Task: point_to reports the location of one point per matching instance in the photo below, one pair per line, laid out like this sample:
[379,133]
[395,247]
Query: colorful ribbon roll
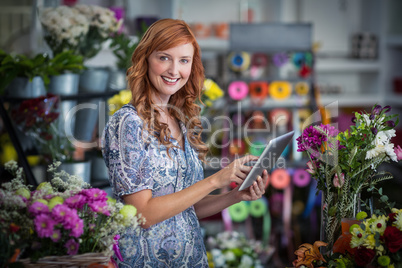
[302,88]
[257,147]
[301,178]
[239,61]
[258,90]
[237,147]
[280,90]
[238,90]
[259,60]
[258,207]
[280,178]
[239,211]
[280,117]
[280,59]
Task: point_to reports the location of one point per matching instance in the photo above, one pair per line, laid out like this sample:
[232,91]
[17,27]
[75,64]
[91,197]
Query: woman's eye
[184,61]
[163,58]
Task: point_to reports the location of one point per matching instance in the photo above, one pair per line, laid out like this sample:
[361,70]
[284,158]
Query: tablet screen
[268,158]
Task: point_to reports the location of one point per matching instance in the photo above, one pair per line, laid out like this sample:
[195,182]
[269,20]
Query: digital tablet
[268,158]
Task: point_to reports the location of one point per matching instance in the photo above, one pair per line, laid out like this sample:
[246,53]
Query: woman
[153,150]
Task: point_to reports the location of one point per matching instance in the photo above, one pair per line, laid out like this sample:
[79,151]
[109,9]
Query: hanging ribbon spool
[302,88]
[276,203]
[239,62]
[280,90]
[238,90]
[257,147]
[239,211]
[259,60]
[280,178]
[238,119]
[258,90]
[258,207]
[280,117]
[237,147]
[258,120]
[280,59]
[301,178]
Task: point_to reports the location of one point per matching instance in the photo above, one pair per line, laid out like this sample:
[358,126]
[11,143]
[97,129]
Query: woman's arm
[212,204]
[157,209]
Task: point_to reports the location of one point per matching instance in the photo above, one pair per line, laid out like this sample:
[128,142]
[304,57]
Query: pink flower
[38,208]
[60,212]
[72,247]
[56,235]
[44,225]
[311,167]
[99,206]
[95,194]
[76,201]
[338,182]
[70,219]
[78,228]
[398,152]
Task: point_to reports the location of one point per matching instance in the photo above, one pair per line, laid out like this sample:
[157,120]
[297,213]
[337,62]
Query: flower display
[118,100]
[211,92]
[60,217]
[81,28]
[37,118]
[345,163]
[232,249]
[309,255]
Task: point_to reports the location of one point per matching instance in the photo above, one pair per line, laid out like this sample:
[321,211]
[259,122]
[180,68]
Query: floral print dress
[136,162]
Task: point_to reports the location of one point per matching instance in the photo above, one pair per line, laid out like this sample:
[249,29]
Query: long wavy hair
[162,35]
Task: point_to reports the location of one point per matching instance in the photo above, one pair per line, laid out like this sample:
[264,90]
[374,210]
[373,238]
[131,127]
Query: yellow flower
[369,242]
[379,224]
[357,237]
[57,200]
[212,90]
[128,211]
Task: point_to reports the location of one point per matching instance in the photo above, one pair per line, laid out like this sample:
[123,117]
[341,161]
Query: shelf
[214,44]
[346,65]
[351,100]
[292,102]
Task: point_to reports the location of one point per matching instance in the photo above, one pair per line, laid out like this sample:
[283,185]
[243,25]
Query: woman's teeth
[170,80]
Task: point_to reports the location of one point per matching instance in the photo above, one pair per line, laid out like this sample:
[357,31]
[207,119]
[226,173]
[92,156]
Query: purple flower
[390,123]
[99,206]
[398,152]
[38,208]
[78,228]
[386,109]
[44,225]
[59,212]
[56,235]
[312,139]
[72,247]
[76,201]
[95,194]
[376,110]
[70,219]
[372,116]
[374,130]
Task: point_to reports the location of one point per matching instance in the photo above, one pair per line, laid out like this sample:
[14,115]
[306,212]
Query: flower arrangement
[60,217]
[232,249]
[118,100]
[81,28]
[37,118]
[211,92]
[345,163]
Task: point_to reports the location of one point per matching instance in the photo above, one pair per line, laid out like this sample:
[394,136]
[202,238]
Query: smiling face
[170,69]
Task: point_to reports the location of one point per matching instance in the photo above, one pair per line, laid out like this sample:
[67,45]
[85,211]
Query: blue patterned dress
[136,162]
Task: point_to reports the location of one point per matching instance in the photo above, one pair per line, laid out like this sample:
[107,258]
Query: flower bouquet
[63,218]
[81,28]
[37,118]
[232,249]
[211,93]
[345,163]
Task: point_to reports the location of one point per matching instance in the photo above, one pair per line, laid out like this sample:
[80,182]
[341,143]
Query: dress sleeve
[126,156]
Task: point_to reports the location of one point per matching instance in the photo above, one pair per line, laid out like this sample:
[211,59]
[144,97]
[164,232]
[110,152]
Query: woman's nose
[173,68]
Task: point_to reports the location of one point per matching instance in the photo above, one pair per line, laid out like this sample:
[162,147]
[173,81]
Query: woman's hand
[255,191]
[234,172]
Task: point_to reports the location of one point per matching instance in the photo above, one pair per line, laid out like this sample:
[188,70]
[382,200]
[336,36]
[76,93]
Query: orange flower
[307,254]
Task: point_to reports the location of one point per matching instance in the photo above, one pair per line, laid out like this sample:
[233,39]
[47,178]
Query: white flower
[379,224]
[230,256]
[246,262]
[398,221]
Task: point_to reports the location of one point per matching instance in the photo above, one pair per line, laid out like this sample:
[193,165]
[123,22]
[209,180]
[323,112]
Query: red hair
[162,35]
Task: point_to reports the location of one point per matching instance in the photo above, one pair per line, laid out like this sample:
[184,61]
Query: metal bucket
[117,80]
[80,169]
[21,87]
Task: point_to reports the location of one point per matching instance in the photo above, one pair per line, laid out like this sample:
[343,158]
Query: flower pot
[92,80]
[65,85]
[80,169]
[21,87]
[117,80]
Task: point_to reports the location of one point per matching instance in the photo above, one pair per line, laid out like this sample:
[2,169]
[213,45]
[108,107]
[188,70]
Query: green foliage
[123,47]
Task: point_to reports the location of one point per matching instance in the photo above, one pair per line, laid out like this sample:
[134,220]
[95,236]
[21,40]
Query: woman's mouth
[170,80]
